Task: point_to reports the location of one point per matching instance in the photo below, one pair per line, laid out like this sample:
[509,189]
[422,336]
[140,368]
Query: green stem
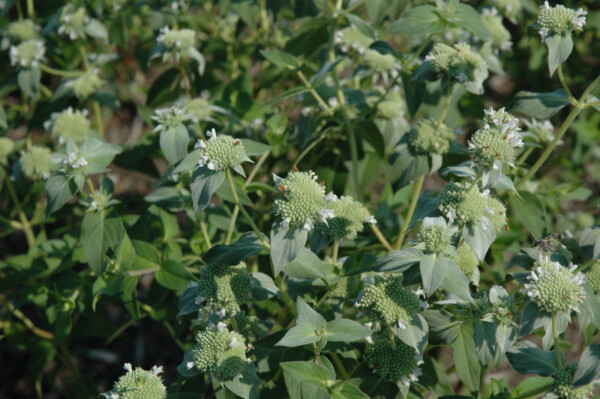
[30,9]
[340,365]
[98,113]
[563,129]
[445,109]
[381,237]
[414,199]
[314,93]
[320,301]
[58,72]
[205,234]
[244,212]
[91,186]
[234,323]
[477,180]
[556,341]
[288,299]
[308,149]
[19,10]
[336,247]
[564,85]
[525,155]
[24,221]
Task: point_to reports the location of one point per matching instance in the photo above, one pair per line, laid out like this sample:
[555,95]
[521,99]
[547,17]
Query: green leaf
[526,357]
[203,185]
[254,148]
[465,358]
[302,334]
[3,120]
[540,105]
[588,367]
[530,388]
[98,154]
[198,57]
[415,334]
[263,286]
[468,18]
[485,340]
[174,143]
[307,372]
[281,59]
[247,245]
[187,302]
[559,49]
[456,282]
[433,270]
[98,234]
[312,33]
[308,316]
[532,318]
[399,261]
[60,188]
[371,134]
[306,266]
[345,330]
[245,385]
[419,20]
[183,368]
[286,245]
[348,391]
[480,236]
[414,92]
[189,162]
[95,28]
[530,212]
[29,82]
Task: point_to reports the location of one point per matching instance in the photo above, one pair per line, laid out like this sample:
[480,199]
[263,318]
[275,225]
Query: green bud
[224,288]
[467,260]
[73,22]
[554,288]
[563,384]
[425,138]
[138,384]
[28,54]
[496,212]
[435,236]
[220,352]
[86,85]
[461,202]
[458,63]
[350,216]
[493,23]
[593,275]
[199,109]
[544,130]
[69,124]
[397,363]
[221,152]
[558,20]
[346,288]
[177,39]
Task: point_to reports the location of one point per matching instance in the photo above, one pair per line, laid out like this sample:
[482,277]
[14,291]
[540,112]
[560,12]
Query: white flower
[326,214]
[221,313]
[406,381]
[579,19]
[497,164]
[127,367]
[451,215]
[285,223]
[308,225]
[429,57]
[424,305]
[333,102]
[212,165]
[199,144]
[490,210]
[515,139]
[544,6]
[234,343]
[369,325]
[369,339]
[211,133]
[420,292]
[114,395]
[199,300]
[402,324]
[332,197]
[192,284]
[156,370]
[543,33]
[371,219]
[462,77]
[189,365]
[202,161]
[221,326]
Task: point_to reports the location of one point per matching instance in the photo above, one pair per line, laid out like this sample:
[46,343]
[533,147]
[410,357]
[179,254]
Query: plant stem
[392,337]
[308,149]
[556,342]
[325,296]
[563,129]
[336,247]
[564,85]
[381,237]
[477,180]
[19,10]
[340,365]
[244,212]
[314,93]
[445,109]
[525,155]
[58,72]
[91,186]
[418,185]
[30,9]
[236,209]
[205,234]
[288,299]
[24,221]
[98,113]
[28,323]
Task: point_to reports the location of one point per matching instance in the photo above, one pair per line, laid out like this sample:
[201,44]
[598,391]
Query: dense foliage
[299,198]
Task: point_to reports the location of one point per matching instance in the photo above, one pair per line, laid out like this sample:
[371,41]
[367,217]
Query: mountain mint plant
[435,232]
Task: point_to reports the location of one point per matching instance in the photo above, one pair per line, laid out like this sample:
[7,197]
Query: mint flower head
[387,301]
[398,363]
[138,384]
[563,384]
[223,288]
[435,236]
[219,352]
[558,20]
[459,64]
[554,288]
[467,261]
[176,41]
[169,118]
[593,275]
[493,22]
[460,202]
[69,123]
[380,62]
[544,130]
[21,31]
[28,54]
[73,22]
[220,152]
[349,220]
[36,162]
[495,144]
[301,201]
[426,138]
[86,85]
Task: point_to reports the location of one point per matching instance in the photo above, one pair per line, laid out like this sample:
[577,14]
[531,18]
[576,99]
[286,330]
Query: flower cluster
[467,260]
[349,219]
[219,352]
[73,22]
[554,288]
[387,301]
[85,85]
[346,288]
[563,384]
[558,20]
[426,138]
[380,62]
[494,144]
[220,152]
[69,123]
[593,275]
[74,161]
[397,362]
[199,109]
[458,63]
[21,31]
[543,130]
[28,54]
[36,162]
[176,41]
[464,203]
[301,201]
[223,288]
[351,38]
[435,236]
[139,384]
[169,118]
[493,23]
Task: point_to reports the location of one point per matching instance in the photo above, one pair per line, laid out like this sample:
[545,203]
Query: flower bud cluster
[426,138]
[220,152]
[494,144]
[563,384]
[467,260]
[467,205]
[351,38]
[558,20]
[387,301]
[346,288]
[86,85]
[219,352]
[36,162]
[349,219]
[380,62]
[69,123]
[435,236]
[593,275]
[21,31]
[176,41]
[301,201]
[73,22]
[544,130]
[169,118]
[224,288]
[28,54]
[139,384]
[397,363]
[493,22]
[554,288]
[458,63]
